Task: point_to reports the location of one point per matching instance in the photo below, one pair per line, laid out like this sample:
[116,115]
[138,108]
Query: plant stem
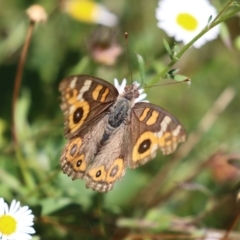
[18,79]
[223,10]
[21,161]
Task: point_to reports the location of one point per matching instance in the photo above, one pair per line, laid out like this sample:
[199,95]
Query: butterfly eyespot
[78,113]
[77,116]
[114,171]
[144,146]
[79,162]
[73,150]
[98,174]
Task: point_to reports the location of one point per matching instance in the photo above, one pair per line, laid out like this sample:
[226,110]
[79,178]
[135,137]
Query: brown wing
[84,99]
[110,163]
[152,128]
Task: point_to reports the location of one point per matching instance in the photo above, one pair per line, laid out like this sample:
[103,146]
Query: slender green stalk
[17,84]
[36,14]
[18,78]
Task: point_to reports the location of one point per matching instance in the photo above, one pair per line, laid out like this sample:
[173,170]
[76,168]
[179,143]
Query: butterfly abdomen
[119,112]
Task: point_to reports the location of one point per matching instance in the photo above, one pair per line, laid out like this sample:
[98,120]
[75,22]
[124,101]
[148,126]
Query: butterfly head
[132,92]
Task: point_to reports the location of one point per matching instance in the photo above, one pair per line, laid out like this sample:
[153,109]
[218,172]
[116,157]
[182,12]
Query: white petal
[124,83]
[116,84]
[1,207]
[25,223]
[29,230]
[5,208]
[137,84]
[14,207]
[22,236]
[23,211]
[4,237]
[141,97]
[120,87]
[104,17]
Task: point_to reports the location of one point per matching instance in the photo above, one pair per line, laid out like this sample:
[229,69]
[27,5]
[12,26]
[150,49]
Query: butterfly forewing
[84,99]
[153,128]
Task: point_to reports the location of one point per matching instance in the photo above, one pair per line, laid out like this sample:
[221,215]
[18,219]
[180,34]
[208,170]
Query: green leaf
[171,73]
[167,47]
[209,20]
[179,77]
[225,35]
[141,65]
[175,50]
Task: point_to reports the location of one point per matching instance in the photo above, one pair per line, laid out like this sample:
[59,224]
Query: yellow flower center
[82,10]
[8,225]
[187,21]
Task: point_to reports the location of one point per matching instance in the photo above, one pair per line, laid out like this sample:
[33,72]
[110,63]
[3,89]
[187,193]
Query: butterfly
[108,130]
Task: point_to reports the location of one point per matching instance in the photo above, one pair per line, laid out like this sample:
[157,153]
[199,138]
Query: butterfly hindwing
[110,163]
[101,170]
[79,152]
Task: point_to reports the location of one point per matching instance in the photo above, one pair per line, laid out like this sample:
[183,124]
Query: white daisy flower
[184,19]
[120,88]
[15,221]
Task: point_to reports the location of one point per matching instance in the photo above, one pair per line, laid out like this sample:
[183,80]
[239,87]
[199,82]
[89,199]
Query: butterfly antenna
[130,67]
[187,80]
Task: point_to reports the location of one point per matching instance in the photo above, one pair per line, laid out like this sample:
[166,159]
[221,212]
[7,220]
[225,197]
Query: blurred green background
[171,197]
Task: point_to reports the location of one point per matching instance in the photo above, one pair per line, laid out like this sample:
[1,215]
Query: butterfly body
[108,131]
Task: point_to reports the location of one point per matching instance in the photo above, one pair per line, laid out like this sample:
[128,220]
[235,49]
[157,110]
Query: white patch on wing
[85,88]
[165,122]
[71,109]
[176,131]
[73,82]
[154,148]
